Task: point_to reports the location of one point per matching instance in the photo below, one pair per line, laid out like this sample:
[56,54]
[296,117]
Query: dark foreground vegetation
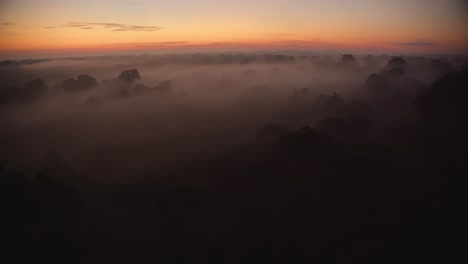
[372,174]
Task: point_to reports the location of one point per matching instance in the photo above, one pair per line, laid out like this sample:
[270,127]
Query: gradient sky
[48,26]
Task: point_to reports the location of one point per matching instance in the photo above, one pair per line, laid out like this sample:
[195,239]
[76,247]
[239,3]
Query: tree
[397,63]
[129,76]
[348,62]
[83,82]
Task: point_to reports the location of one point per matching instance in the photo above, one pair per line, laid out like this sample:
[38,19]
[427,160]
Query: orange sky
[48,26]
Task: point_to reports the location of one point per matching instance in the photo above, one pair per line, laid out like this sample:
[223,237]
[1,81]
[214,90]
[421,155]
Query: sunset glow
[419,26]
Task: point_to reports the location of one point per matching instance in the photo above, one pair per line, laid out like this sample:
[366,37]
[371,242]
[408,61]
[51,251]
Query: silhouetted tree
[443,145]
[376,86]
[83,82]
[442,67]
[8,63]
[348,62]
[35,88]
[29,92]
[397,63]
[129,76]
[444,104]
[332,105]
[393,73]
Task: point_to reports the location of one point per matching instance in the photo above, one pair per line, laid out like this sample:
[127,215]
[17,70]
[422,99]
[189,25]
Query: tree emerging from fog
[129,76]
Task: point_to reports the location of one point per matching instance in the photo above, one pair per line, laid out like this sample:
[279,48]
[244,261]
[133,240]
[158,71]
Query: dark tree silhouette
[330,105]
[30,92]
[83,82]
[348,62]
[443,144]
[35,89]
[397,63]
[393,73]
[129,76]
[442,67]
[445,101]
[376,85]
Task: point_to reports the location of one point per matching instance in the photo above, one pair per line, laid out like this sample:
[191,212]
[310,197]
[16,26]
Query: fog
[148,152]
[209,107]
[207,104]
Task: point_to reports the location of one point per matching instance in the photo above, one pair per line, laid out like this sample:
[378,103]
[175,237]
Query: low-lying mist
[182,108]
[208,158]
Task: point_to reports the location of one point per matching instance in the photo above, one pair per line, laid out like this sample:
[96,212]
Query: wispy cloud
[110,26]
[417,43]
[8,24]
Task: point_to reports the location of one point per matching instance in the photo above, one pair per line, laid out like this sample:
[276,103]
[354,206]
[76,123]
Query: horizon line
[67,54]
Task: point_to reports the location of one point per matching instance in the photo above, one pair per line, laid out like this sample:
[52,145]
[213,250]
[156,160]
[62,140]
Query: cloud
[8,24]
[417,43]
[111,26]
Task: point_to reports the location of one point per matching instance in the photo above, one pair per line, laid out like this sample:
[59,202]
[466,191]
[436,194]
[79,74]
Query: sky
[48,27]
